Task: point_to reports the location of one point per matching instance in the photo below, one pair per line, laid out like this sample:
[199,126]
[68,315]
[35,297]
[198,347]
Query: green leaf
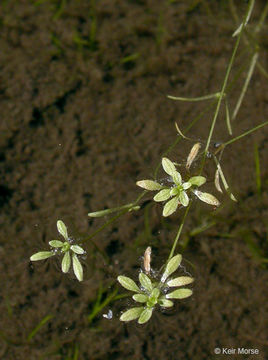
[171,267]
[41,255]
[149,185]
[131,314]
[169,167]
[66,262]
[179,281]
[176,176]
[128,283]
[183,198]
[140,298]
[155,294]
[77,267]
[207,198]
[145,282]
[186,185]
[162,195]
[77,249]
[165,303]
[62,229]
[145,315]
[100,213]
[56,243]
[179,294]
[171,206]
[197,180]
[174,191]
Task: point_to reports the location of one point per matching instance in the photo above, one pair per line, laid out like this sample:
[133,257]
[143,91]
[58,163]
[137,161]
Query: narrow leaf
[77,249]
[217,181]
[171,206]
[171,267]
[66,262]
[183,198]
[128,283]
[149,185]
[179,281]
[42,255]
[131,314]
[186,185]
[179,294]
[168,166]
[62,229]
[165,303]
[192,155]
[145,315]
[162,195]
[145,282]
[140,298]
[207,198]
[77,267]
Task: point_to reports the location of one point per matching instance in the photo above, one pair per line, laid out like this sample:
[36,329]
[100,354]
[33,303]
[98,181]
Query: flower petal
[171,206]
[179,281]
[207,198]
[62,229]
[77,267]
[171,267]
[179,294]
[41,255]
[128,283]
[145,315]
[66,262]
[183,198]
[131,314]
[162,195]
[149,185]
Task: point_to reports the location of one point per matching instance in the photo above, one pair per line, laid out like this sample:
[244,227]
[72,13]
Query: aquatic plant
[67,249]
[151,293]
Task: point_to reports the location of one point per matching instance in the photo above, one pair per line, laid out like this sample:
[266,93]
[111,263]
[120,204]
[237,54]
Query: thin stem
[124,211]
[240,136]
[222,93]
[179,232]
[245,87]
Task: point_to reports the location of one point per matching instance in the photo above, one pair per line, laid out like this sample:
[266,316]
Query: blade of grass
[38,327]
[257,167]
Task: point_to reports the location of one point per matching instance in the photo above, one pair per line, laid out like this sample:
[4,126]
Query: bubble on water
[109,315]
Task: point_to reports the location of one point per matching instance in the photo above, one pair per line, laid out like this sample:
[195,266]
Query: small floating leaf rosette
[150,294]
[178,193]
[70,252]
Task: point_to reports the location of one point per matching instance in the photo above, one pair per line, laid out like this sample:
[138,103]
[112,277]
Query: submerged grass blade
[257,167]
[38,327]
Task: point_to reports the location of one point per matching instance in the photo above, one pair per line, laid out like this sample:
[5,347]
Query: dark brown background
[79,125]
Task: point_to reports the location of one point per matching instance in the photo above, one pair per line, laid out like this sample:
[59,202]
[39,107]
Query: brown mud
[84,115]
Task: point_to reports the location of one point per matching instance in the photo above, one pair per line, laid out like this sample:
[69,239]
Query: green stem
[240,136]
[179,232]
[222,93]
